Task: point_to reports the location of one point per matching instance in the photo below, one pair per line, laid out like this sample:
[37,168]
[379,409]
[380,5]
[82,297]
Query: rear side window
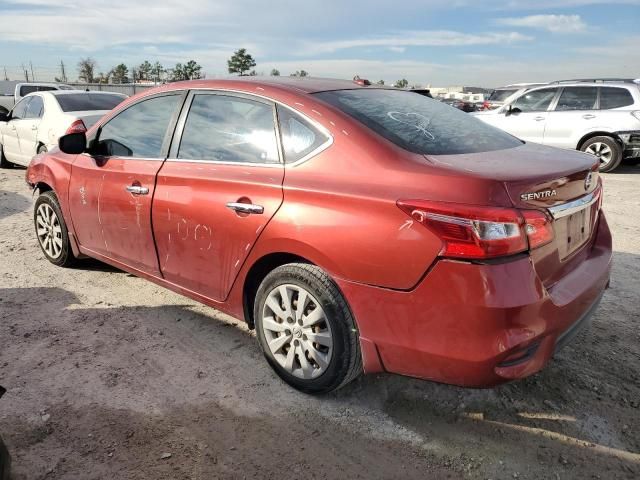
[577,98]
[78,102]
[229,129]
[140,130]
[419,124]
[299,137]
[612,97]
[535,100]
[35,108]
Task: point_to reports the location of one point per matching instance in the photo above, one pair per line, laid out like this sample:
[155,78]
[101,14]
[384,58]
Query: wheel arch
[597,133]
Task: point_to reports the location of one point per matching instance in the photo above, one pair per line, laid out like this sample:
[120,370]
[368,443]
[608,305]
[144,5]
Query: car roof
[297,84]
[77,92]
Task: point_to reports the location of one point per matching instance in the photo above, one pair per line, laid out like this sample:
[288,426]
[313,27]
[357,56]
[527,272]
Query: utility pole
[5,74]
[63,75]
[33,77]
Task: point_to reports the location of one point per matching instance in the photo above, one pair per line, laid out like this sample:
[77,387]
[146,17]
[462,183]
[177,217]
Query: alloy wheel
[49,231]
[297,331]
[600,150]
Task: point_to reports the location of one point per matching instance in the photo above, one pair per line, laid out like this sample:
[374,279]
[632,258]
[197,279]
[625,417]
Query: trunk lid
[563,183]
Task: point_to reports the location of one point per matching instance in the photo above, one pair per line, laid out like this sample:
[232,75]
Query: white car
[37,121]
[601,117]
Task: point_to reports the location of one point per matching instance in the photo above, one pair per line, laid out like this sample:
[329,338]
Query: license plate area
[573,231]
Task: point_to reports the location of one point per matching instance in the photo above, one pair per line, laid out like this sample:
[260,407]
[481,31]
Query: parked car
[39,119]
[597,117]
[356,228]
[502,95]
[23,89]
[460,104]
[422,91]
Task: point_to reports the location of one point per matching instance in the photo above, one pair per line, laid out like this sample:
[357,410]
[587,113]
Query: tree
[86,67]
[275,72]
[144,71]
[191,70]
[300,73]
[157,70]
[380,82]
[102,78]
[240,62]
[404,83]
[176,74]
[119,74]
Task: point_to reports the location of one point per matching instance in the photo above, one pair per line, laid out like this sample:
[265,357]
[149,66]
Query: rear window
[27,89]
[612,97]
[419,124]
[501,95]
[78,102]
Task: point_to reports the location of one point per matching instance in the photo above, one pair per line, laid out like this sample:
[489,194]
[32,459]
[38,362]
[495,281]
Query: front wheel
[51,230]
[306,330]
[42,149]
[607,149]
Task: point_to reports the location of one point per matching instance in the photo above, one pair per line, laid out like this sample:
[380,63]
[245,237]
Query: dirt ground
[110,376]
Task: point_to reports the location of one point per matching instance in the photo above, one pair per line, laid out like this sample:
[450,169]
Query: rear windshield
[78,102]
[418,123]
[501,95]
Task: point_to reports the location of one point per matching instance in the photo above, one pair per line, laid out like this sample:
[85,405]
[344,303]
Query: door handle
[34,127]
[137,189]
[539,119]
[588,116]
[13,127]
[245,207]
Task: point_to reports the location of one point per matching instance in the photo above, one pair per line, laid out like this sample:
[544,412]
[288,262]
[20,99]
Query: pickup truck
[8,101]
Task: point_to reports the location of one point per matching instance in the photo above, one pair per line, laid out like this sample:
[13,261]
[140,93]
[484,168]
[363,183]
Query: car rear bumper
[478,325]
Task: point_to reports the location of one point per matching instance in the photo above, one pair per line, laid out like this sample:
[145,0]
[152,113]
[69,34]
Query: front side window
[299,137]
[535,100]
[577,98]
[35,108]
[612,97]
[417,123]
[140,130]
[229,129]
[20,109]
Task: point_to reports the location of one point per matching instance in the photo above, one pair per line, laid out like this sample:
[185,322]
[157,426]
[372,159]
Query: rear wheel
[42,149]
[4,163]
[51,230]
[607,149]
[306,330]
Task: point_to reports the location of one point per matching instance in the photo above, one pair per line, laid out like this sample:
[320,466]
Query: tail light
[76,127]
[469,231]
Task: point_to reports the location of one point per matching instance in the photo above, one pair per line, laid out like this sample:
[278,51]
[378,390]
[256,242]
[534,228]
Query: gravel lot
[109,376]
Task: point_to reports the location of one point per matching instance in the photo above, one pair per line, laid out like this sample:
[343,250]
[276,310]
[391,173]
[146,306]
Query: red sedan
[357,228]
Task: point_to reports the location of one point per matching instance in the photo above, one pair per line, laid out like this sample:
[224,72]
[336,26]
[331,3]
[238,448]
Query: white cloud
[552,23]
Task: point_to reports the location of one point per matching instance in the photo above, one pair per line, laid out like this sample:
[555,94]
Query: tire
[49,223]
[607,149]
[323,366]
[4,163]
[42,149]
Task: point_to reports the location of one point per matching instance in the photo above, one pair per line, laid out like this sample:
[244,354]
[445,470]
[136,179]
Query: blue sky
[458,42]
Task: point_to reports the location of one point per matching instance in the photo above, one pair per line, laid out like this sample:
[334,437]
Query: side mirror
[73,143]
[511,110]
[4,117]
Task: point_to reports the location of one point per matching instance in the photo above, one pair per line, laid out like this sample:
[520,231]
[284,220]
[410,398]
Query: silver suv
[599,116]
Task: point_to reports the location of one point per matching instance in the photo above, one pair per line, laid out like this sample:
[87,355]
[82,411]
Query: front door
[217,191]
[529,115]
[10,141]
[28,128]
[112,187]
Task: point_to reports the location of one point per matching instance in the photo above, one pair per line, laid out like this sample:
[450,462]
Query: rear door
[575,113]
[529,115]
[27,128]
[217,191]
[111,188]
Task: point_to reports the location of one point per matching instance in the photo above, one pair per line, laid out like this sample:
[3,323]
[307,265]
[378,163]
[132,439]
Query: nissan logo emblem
[587,181]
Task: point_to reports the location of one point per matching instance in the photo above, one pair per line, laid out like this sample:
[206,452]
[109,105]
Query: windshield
[418,123]
[77,102]
[501,95]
